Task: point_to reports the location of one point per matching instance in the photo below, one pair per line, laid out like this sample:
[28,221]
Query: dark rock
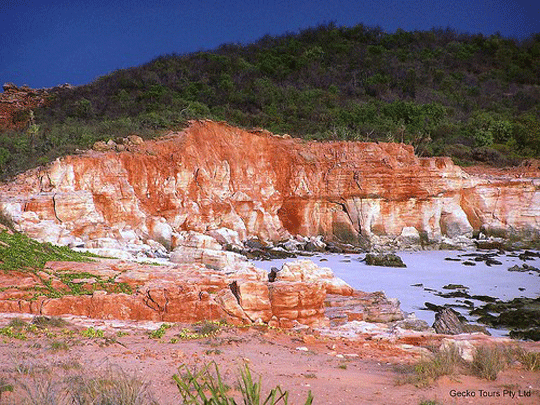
[484,298]
[273,273]
[254,244]
[524,268]
[454,294]
[433,307]
[468,263]
[386,260]
[312,247]
[491,262]
[337,247]
[489,245]
[455,287]
[527,334]
[452,259]
[528,255]
[450,322]
[519,312]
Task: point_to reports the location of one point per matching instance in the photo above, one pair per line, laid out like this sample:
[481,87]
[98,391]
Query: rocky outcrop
[362,306]
[17,102]
[448,322]
[387,260]
[115,289]
[213,178]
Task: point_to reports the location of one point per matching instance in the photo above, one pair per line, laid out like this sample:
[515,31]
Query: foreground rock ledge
[186,293]
[219,180]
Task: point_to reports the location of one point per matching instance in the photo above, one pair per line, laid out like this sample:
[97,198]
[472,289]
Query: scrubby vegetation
[487,362]
[20,254]
[206,386]
[472,96]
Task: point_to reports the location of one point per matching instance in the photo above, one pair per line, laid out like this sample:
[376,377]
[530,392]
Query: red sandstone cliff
[214,176]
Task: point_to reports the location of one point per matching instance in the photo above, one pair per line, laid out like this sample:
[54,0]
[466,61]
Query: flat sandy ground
[336,371]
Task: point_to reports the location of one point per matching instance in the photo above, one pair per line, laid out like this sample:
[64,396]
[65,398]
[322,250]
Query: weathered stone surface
[465,348]
[302,302]
[307,271]
[194,247]
[213,176]
[172,293]
[362,306]
[447,322]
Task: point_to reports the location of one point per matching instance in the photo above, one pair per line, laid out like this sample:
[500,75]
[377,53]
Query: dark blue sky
[46,43]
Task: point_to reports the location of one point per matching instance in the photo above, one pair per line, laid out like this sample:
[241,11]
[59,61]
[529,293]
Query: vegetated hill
[474,97]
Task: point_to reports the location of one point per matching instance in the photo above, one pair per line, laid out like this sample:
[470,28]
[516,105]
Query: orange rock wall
[214,176]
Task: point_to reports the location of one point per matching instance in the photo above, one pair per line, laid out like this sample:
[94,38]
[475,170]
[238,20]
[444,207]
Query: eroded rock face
[216,177]
[115,289]
[447,322]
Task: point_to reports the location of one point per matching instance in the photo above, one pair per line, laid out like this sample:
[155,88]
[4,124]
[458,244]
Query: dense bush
[427,88]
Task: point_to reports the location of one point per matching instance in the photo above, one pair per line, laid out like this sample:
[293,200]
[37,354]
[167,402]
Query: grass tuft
[44,322]
[529,360]
[443,362]
[488,361]
[115,386]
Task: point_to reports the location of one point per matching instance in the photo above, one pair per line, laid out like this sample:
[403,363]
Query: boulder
[385,260]
[194,247]
[297,301]
[465,348]
[383,310]
[448,322]
[307,271]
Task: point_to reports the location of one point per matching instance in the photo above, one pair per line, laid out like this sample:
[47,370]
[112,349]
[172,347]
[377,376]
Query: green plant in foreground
[203,329]
[159,332]
[5,387]
[57,345]
[17,323]
[10,332]
[92,333]
[204,387]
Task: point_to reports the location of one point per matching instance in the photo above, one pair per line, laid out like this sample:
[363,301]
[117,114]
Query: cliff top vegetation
[470,96]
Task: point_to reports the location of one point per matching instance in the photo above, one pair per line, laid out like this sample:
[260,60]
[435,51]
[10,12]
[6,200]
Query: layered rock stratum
[219,180]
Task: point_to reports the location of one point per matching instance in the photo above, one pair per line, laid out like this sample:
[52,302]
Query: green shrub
[93,333]
[407,86]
